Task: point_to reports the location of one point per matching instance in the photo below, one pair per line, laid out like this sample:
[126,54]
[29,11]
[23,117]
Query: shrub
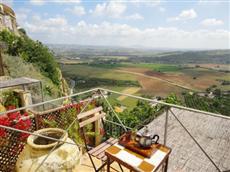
[10,99]
[31,51]
[173,99]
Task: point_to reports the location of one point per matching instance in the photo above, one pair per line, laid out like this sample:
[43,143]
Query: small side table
[136,162]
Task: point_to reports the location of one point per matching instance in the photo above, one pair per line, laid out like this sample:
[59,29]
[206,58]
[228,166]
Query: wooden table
[136,162]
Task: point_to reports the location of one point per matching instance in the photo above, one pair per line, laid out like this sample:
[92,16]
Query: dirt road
[156,78]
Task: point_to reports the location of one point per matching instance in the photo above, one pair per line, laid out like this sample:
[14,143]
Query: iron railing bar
[168,104]
[47,156]
[49,101]
[117,124]
[205,153]
[125,94]
[128,95]
[113,111]
[38,135]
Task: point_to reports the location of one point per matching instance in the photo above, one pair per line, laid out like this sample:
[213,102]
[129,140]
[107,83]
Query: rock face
[64,158]
[7,19]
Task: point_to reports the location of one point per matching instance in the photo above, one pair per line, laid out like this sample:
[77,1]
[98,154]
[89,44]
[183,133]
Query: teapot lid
[146,132]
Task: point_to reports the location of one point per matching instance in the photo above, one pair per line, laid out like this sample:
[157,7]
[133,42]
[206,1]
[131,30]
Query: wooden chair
[98,152]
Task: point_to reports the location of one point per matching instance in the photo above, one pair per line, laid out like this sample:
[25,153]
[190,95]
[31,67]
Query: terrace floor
[212,133]
[86,166]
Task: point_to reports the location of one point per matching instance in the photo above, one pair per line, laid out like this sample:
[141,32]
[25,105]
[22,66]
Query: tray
[126,141]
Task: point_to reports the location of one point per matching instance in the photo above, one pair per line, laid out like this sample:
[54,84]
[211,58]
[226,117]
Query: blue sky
[153,24]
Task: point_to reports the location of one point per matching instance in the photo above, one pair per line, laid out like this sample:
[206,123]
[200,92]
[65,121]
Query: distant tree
[22,31]
[208,90]
[173,99]
[183,93]
[214,86]
[217,92]
[159,98]
[225,82]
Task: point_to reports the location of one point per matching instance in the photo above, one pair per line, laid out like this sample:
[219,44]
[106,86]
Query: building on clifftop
[8,19]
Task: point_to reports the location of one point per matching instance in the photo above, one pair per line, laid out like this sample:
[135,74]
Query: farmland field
[85,70]
[131,90]
[194,78]
[204,74]
[148,75]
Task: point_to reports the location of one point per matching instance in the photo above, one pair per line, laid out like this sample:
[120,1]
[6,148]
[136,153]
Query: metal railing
[120,124]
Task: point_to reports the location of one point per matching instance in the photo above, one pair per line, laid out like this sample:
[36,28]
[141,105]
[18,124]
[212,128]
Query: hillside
[17,67]
[89,53]
[26,57]
[195,57]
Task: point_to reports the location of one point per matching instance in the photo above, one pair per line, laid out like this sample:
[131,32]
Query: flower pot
[40,146]
[63,158]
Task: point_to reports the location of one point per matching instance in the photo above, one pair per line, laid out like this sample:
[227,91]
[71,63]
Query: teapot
[145,140]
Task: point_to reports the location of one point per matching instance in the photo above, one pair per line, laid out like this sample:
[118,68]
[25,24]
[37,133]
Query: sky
[182,24]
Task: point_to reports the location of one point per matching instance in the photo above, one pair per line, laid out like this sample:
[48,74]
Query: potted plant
[90,135]
[10,99]
[40,145]
[67,116]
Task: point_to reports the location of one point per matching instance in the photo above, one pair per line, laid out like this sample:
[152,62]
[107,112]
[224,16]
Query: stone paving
[212,133]
[86,166]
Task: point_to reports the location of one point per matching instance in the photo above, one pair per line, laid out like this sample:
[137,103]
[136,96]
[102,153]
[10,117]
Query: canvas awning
[18,82]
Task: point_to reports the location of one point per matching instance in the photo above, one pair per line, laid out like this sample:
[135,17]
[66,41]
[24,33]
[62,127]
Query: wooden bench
[98,152]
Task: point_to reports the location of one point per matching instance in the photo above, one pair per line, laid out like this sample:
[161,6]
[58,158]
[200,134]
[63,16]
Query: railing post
[166,125]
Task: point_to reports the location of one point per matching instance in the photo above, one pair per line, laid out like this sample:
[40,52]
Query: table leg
[108,164]
[165,169]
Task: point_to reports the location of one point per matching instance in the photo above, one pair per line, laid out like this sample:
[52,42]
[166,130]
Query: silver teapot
[145,140]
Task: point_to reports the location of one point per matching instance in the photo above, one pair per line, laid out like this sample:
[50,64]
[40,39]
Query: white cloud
[113,9]
[185,15]
[58,30]
[135,16]
[188,14]
[45,26]
[67,1]
[162,9]
[37,2]
[42,2]
[212,2]
[152,3]
[212,22]
[22,15]
[56,21]
[78,10]
[7,2]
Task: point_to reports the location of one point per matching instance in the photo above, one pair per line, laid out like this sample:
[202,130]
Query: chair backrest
[90,116]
